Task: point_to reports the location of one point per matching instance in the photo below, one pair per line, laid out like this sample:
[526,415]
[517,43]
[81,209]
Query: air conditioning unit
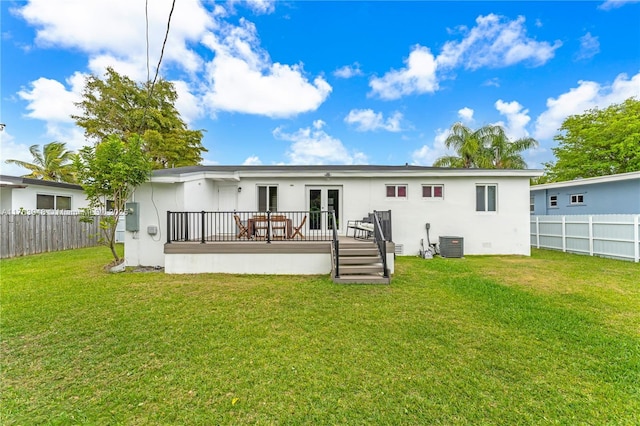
[451,246]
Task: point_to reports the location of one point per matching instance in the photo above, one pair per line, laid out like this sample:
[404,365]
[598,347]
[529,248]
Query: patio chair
[243,231]
[362,229]
[296,229]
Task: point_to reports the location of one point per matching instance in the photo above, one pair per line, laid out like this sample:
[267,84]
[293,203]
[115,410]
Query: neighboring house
[614,194]
[18,193]
[183,219]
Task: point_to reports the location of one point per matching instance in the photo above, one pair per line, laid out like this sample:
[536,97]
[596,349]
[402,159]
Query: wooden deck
[275,246]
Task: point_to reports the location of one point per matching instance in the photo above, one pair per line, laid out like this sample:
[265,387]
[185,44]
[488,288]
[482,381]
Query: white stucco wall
[15,198]
[503,232]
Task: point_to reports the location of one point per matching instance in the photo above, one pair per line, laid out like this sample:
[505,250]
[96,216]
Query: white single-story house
[20,195]
[25,195]
[280,219]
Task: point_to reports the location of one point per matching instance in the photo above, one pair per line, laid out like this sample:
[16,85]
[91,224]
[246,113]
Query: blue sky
[330,82]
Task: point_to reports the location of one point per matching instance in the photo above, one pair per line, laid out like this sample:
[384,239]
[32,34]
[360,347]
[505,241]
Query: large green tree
[487,147]
[110,171]
[54,163]
[598,142]
[117,105]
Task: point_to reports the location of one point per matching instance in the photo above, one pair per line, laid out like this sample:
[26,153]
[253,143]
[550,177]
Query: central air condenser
[451,246]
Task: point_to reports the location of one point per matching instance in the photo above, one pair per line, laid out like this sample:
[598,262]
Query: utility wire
[164,43]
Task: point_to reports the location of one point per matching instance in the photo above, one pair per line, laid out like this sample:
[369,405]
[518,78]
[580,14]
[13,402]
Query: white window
[53,202]
[553,201]
[432,191]
[397,191]
[486,198]
[532,204]
[577,198]
[267,198]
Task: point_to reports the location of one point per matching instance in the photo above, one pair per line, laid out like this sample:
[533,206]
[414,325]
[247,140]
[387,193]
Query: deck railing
[240,226]
[380,237]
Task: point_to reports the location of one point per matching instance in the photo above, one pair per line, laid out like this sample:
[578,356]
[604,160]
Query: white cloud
[254,160]
[9,149]
[348,71]
[466,115]
[367,120]
[588,95]
[419,76]
[517,119]
[495,42]
[426,155]
[495,82]
[188,105]
[49,100]
[259,7]
[589,47]
[92,31]
[243,79]
[315,146]
[614,4]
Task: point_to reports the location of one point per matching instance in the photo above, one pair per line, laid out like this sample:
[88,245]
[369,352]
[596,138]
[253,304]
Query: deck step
[372,268]
[362,279]
[358,260]
[347,252]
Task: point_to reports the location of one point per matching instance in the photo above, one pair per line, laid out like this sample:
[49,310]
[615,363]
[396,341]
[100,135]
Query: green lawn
[551,339]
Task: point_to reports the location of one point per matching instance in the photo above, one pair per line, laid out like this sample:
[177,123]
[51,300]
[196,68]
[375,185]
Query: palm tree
[487,148]
[505,154]
[54,163]
[468,145]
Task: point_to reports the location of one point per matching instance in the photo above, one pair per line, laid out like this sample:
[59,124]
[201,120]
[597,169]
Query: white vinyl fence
[616,235]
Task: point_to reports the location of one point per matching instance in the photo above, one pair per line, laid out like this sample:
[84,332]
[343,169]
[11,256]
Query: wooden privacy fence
[23,234]
[615,236]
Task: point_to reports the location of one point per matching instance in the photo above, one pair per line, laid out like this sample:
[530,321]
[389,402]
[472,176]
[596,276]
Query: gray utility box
[451,246]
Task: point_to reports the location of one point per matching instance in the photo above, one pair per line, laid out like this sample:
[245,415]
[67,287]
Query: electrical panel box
[152,230]
[451,246]
[132,219]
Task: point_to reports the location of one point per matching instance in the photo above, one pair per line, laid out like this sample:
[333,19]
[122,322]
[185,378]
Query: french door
[323,199]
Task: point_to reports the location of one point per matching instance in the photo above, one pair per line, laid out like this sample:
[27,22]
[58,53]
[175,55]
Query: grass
[551,339]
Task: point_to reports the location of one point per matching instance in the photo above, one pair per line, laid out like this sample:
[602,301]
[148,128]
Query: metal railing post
[202,227]
[268,226]
[168,227]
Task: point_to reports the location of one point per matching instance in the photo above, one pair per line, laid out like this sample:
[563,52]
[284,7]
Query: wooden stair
[360,263]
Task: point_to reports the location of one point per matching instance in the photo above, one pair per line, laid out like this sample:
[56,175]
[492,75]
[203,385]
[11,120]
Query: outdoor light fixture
[239,189]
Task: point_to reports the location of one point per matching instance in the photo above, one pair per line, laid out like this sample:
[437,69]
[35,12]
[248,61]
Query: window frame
[55,198]
[532,204]
[396,191]
[269,197]
[553,201]
[433,195]
[486,201]
[578,197]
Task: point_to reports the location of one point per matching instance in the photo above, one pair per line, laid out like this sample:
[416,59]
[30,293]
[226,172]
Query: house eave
[235,174]
[588,181]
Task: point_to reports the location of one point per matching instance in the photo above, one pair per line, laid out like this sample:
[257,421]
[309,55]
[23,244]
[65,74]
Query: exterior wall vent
[399,251]
[451,246]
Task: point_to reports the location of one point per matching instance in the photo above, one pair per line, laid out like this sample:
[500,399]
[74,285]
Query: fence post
[590,235]
[636,238]
[537,232]
[564,234]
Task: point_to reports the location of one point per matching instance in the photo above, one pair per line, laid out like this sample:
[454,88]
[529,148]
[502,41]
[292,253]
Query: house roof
[22,182]
[588,181]
[234,173]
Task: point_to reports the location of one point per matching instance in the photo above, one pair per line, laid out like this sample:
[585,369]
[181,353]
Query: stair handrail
[336,245]
[379,238]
